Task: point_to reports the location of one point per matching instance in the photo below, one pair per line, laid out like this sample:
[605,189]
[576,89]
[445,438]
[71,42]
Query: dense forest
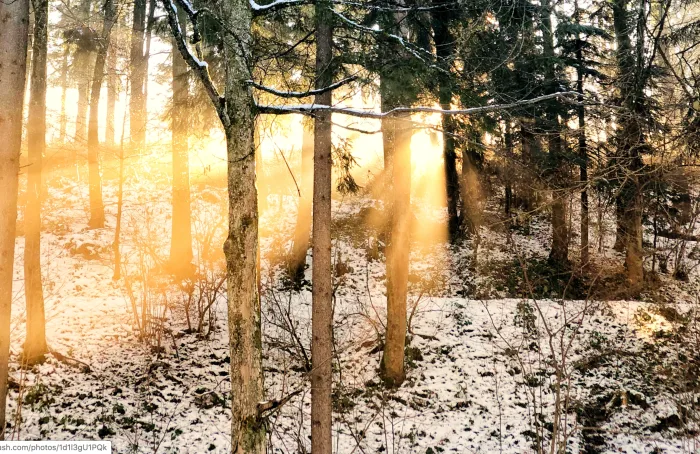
[351,226]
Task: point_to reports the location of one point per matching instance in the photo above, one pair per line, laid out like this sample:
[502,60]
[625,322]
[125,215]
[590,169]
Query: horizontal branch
[310,109]
[300,94]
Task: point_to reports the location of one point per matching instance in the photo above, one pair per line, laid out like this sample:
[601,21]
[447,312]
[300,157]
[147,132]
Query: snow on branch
[198,66]
[300,94]
[259,9]
[309,109]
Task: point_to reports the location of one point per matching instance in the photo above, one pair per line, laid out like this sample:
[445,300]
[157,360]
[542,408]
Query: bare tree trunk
[13,50]
[559,253]
[112,86]
[583,156]
[241,247]
[83,76]
[35,342]
[63,121]
[322,275]
[302,229]
[181,239]
[398,252]
[97,211]
[120,203]
[137,76]
[630,137]
[444,48]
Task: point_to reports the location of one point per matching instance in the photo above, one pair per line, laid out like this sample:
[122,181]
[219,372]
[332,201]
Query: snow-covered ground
[489,365]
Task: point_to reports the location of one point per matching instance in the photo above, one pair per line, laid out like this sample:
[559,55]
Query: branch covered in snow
[259,9]
[198,66]
[309,109]
[301,94]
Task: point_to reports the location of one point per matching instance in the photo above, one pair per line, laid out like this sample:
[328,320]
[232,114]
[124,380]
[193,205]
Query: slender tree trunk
[13,50]
[509,157]
[444,48]
[322,275]
[112,85]
[97,211]
[63,121]
[302,229]
[181,239]
[35,342]
[120,203]
[583,156]
[137,76]
[398,252]
[559,253]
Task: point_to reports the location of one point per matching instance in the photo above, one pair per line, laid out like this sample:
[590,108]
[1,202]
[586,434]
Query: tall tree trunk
[237,115]
[82,62]
[322,275]
[241,247]
[181,239]
[35,342]
[583,156]
[13,51]
[63,121]
[302,229]
[559,253]
[97,211]
[444,48]
[112,86]
[398,252]
[630,139]
[137,76]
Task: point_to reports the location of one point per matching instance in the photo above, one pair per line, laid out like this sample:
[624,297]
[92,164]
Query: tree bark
[302,229]
[35,342]
[97,211]
[444,48]
[137,75]
[181,236]
[630,139]
[14,18]
[112,86]
[322,275]
[559,253]
[63,121]
[398,252]
[583,156]
[241,246]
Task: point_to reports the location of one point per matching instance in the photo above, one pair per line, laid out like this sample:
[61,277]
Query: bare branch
[301,94]
[310,109]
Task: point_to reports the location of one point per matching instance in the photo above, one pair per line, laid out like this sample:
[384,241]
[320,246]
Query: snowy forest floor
[505,354]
